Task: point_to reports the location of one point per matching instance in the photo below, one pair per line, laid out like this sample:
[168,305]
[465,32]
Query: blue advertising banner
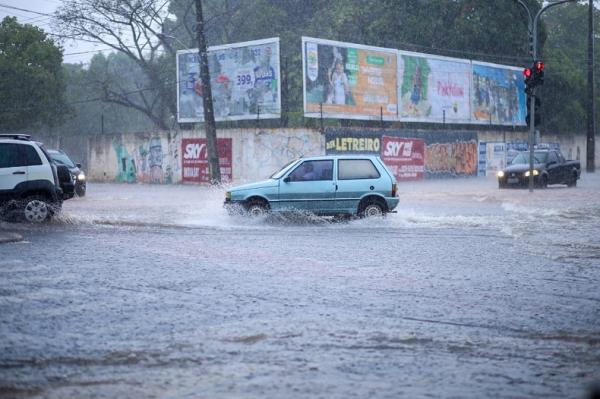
[498,95]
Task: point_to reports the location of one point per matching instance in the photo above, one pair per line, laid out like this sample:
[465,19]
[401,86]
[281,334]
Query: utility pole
[207,100]
[532,25]
[591,129]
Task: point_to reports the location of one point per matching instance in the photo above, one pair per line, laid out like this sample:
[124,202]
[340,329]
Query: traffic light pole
[533,29]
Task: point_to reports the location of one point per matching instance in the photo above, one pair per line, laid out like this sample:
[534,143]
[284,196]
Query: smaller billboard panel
[405,157]
[498,95]
[245,82]
[350,81]
[194,160]
[434,89]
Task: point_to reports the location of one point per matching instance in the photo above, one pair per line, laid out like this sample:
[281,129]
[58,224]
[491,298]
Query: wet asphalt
[153,291]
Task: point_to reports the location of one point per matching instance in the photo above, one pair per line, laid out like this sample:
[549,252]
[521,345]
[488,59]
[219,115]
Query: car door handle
[19,172]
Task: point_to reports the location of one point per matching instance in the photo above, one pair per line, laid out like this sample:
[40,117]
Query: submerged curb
[6,237]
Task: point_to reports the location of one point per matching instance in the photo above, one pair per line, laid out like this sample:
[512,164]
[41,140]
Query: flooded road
[154,291]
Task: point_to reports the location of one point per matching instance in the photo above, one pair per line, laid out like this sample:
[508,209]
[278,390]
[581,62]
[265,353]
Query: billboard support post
[321,118]
[207,100]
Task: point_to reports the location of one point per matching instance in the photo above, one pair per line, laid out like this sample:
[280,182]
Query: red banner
[404,157]
[194,160]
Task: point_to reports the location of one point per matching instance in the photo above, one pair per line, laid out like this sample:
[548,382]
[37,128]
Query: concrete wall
[256,153]
[156,157]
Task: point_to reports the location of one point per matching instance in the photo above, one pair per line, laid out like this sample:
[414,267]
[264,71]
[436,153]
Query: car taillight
[394,190]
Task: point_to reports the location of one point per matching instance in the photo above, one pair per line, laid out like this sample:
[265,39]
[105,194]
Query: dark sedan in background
[550,167]
[59,157]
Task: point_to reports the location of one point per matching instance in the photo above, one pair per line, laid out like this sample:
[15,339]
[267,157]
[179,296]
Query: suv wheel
[36,210]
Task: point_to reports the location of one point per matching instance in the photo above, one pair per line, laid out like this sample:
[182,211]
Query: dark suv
[59,157]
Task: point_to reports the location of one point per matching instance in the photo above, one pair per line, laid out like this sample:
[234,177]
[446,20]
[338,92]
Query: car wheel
[36,210]
[543,181]
[372,209]
[257,208]
[573,181]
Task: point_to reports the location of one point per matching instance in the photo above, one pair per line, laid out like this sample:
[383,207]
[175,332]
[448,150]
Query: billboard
[350,81]
[405,157]
[434,89]
[498,95]
[245,82]
[194,160]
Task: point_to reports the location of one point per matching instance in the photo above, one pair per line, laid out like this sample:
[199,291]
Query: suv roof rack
[15,136]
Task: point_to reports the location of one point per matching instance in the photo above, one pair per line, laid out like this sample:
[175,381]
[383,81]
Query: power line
[25,10]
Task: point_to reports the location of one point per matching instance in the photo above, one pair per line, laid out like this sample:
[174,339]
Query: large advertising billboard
[434,89]
[245,82]
[194,162]
[350,81]
[498,95]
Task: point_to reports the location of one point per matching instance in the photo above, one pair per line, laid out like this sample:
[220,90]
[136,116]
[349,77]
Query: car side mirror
[78,165]
[287,180]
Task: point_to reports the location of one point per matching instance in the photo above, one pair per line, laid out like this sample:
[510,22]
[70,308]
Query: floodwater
[154,291]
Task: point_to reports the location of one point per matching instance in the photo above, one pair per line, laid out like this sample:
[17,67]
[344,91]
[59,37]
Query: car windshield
[523,158]
[61,159]
[282,171]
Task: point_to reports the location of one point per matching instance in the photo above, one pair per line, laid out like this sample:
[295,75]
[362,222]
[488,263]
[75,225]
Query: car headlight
[535,173]
[501,173]
[81,176]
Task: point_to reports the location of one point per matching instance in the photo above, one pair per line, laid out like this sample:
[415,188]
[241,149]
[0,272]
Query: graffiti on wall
[269,151]
[147,162]
[451,158]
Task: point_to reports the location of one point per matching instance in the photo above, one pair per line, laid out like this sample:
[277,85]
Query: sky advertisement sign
[194,162]
[350,81]
[498,95]
[405,157]
[245,82]
[434,89]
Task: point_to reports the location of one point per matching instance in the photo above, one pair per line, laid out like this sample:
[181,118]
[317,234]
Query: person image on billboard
[338,84]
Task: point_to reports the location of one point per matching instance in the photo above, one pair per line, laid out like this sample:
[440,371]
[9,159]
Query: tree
[565,53]
[135,29]
[32,85]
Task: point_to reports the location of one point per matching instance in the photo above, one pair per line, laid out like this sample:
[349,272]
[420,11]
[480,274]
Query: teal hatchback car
[326,185]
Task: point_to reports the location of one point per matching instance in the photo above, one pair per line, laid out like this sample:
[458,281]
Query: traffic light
[537,103]
[534,76]
[538,72]
[528,76]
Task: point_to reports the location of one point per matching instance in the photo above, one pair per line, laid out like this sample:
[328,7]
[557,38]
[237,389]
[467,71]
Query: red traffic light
[539,66]
[527,73]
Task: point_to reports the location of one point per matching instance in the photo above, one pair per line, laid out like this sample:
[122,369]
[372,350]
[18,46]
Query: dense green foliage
[564,93]
[31,80]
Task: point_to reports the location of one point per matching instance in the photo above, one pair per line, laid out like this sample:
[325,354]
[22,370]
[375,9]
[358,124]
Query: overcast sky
[75,51]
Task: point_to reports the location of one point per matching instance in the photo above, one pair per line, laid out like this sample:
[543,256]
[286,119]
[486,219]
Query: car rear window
[351,169]
[31,156]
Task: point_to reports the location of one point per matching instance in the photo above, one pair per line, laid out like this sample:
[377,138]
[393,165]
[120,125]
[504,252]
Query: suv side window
[352,169]
[31,156]
[552,157]
[11,155]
